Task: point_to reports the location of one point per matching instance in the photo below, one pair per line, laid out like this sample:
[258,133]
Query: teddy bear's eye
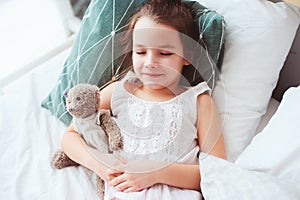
[78,98]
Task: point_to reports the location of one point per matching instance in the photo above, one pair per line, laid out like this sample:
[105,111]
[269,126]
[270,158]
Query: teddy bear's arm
[112,130]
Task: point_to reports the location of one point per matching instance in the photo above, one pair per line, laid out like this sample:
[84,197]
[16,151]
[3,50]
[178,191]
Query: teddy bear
[97,127]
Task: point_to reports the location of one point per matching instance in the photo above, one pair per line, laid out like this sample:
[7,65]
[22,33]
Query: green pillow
[90,60]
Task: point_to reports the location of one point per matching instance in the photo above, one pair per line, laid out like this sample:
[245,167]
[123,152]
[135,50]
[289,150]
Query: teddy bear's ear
[66,94]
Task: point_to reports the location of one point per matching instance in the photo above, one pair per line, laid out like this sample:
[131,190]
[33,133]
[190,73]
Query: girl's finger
[114,181]
[117,180]
[122,186]
[111,174]
[129,189]
[114,171]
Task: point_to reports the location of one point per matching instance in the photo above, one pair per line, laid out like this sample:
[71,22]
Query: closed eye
[140,52]
[166,53]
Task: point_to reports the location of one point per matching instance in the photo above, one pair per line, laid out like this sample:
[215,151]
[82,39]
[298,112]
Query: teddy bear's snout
[70,108]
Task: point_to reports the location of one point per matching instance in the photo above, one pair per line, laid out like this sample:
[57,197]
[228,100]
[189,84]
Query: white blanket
[29,135]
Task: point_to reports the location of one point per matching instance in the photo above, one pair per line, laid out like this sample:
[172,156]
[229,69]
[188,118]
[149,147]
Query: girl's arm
[76,148]
[210,141]
[178,175]
[106,94]
[209,128]
[182,175]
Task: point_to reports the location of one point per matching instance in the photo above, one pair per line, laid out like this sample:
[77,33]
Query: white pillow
[223,180]
[258,36]
[276,150]
[270,111]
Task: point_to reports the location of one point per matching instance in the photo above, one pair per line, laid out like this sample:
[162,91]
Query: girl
[164,124]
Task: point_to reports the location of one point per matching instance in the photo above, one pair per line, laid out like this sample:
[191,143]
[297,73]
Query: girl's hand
[136,175]
[107,166]
[131,182]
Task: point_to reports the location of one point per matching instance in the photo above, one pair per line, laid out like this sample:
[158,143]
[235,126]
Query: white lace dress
[161,131]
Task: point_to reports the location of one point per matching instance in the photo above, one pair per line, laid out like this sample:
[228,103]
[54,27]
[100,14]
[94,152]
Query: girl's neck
[157,94]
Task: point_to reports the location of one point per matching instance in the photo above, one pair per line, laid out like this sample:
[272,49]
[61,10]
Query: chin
[153,85]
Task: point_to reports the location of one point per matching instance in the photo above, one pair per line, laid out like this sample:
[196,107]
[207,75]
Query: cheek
[136,65]
[173,72]
[137,62]
[175,64]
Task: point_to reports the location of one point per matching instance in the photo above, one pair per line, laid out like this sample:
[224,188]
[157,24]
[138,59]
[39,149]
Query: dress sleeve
[201,88]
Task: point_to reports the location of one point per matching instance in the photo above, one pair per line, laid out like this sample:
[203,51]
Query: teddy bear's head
[82,100]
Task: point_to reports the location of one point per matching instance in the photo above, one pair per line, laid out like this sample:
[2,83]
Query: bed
[259,117]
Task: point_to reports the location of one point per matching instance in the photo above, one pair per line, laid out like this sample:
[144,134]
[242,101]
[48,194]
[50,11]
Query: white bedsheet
[28,136]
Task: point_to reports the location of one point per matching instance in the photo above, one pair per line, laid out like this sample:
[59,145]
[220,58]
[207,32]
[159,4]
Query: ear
[188,58]
[186,62]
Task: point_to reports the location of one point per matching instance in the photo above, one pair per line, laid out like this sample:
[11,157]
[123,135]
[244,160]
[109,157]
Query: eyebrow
[165,46]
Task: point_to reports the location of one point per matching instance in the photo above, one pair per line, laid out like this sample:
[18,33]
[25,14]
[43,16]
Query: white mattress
[28,136]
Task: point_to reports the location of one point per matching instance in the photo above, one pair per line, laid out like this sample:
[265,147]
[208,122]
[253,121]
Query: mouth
[152,75]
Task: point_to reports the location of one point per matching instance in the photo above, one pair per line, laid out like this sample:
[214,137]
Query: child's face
[157,54]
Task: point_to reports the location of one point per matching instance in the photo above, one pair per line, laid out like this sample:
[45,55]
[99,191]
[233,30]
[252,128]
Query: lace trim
[148,128]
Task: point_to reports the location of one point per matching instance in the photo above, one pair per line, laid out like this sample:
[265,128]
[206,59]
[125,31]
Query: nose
[150,61]
[70,109]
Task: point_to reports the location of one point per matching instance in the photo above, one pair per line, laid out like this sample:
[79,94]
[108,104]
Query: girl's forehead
[148,22]
[150,34]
